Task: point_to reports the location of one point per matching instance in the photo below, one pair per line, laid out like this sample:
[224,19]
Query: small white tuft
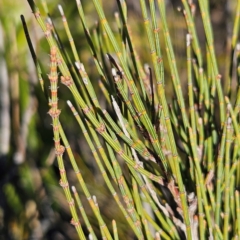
[201,70]
[78,2]
[18,157]
[60,9]
[94,199]
[90,237]
[69,103]
[114,73]
[228,106]
[77,64]
[74,189]
[188,38]
[49,20]
[146,67]
[238,47]
[191,196]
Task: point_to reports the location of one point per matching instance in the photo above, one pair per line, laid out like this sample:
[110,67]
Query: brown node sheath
[136,166]
[49,26]
[54,113]
[145,153]
[62,170]
[53,79]
[57,143]
[37,14]
[56,128]
[138,223]
[53,91]
[120,152]
[53,52]
[101,129]
[71,203]
[47,33]
[75,223]
[141,113]
[219,77]
[60,150]
[63,184]
[59,61]
[86,110]
[53,104]
[66,81]
[159,60]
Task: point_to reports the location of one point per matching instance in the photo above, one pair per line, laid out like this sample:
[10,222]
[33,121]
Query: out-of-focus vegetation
[32,203]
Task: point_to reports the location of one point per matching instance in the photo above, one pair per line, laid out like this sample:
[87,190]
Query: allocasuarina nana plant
[172,169]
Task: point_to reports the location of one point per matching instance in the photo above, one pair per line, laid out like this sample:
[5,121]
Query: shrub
[173,170]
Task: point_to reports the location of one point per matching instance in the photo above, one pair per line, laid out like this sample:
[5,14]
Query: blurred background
[32,203]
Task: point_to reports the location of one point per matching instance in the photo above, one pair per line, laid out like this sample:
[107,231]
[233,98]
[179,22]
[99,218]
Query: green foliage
[164,156]
[136,162]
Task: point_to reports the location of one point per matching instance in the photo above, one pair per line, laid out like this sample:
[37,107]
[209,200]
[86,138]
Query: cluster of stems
[182,160]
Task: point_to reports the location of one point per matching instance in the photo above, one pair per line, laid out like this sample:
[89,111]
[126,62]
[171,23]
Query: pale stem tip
[49,20]
[188,38]
[90,237]
[228,106]
[229,121]
[73,189]
[114,73]
[146,67]
[69,103]
[191,196]
[94,199]
[116,14]
[60,9]
[179,9]
[113,99]
[78,2]
[77,64]
[238,46]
